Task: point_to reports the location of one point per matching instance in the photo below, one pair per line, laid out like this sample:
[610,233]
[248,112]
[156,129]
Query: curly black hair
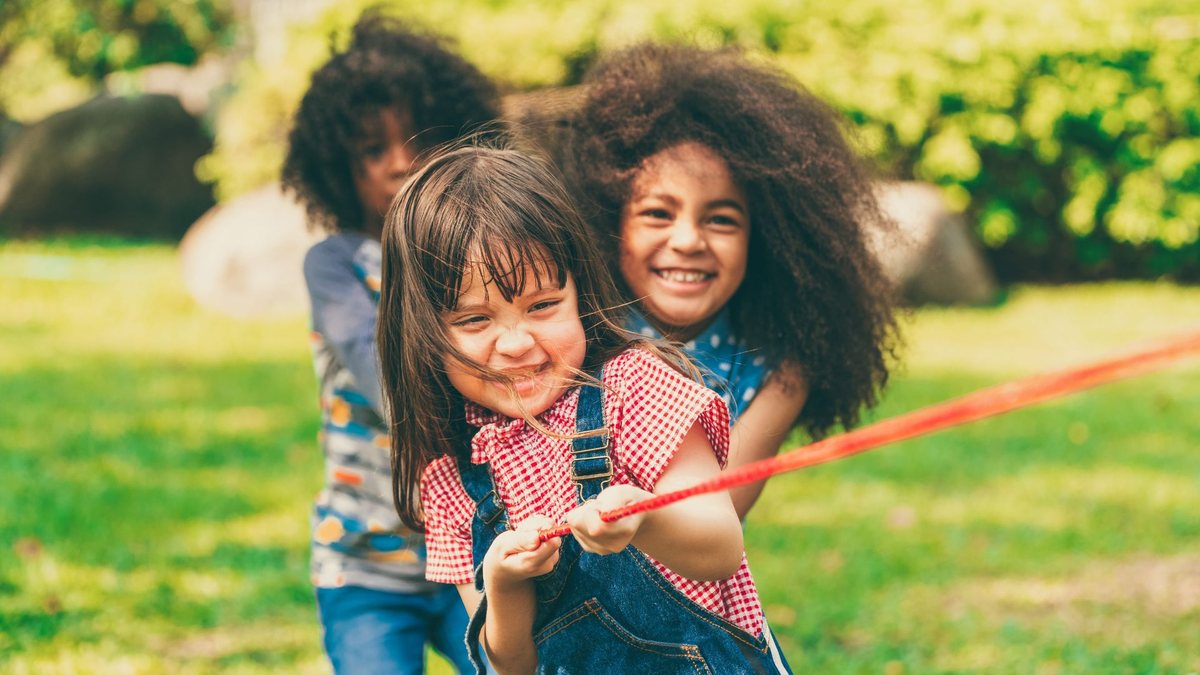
[387,65]
[813,293]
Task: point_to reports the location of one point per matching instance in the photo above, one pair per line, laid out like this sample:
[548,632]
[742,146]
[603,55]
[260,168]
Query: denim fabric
[370,632]
[614,613]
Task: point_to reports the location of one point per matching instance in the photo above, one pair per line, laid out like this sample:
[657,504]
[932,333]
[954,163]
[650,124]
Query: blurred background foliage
[1067,130]
[54,53]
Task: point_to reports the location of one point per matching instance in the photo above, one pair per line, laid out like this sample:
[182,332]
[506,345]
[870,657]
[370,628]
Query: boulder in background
[245,257]
[933,257]
[119,165]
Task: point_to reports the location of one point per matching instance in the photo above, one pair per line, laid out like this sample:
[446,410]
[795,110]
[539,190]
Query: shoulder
[341,258]
[639,370]
[649,409]
[331,252]
[342,248]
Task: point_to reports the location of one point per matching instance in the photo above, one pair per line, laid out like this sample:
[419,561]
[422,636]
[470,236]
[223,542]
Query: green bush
[1068,131]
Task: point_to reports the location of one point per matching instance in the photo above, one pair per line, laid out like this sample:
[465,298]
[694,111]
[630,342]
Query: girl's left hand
[597,536]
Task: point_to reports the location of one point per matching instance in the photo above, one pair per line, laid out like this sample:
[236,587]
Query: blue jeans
[370,632]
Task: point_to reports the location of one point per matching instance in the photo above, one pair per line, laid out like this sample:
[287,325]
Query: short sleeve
[650,407]
[448,510]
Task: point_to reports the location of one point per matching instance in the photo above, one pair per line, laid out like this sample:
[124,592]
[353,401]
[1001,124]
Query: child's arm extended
[699,538]
[514,558]
[763,427]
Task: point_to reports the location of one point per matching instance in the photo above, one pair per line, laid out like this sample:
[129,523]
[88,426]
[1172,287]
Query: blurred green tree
[1067,130]
[55,54]
[93,38]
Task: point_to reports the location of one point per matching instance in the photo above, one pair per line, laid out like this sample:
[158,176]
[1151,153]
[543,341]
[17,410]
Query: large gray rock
[116,165]
[244,257]
[933,257]
[9,130]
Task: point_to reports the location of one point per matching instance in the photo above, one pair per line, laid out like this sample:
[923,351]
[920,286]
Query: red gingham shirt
[648,408]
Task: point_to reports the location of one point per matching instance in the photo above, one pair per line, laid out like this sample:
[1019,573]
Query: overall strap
[591,466]
[490,519]
[477,481]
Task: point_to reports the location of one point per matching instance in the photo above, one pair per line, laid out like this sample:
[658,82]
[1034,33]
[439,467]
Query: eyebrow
[476,306]
[458,309]
[729,203]
[714,204]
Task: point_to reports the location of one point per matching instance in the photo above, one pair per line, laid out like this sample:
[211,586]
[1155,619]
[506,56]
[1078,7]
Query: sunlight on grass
[160,463]
[1043,329]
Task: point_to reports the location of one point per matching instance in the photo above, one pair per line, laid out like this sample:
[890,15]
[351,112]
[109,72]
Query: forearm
[507,634]
[699,538]
[763,428]
[755,446]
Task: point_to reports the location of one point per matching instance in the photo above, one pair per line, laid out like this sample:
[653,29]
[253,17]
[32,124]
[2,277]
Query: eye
[725,222]
[655,214]
[470,321]
[544,305]
[373,150]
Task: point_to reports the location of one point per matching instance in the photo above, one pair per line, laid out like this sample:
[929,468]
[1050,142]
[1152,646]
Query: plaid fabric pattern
[649,407]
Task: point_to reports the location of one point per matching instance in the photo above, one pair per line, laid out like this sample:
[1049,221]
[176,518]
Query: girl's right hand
[517,555]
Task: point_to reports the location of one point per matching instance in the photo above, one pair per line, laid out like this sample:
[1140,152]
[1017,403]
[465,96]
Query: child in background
[367,115]
[520,403]
[735,211]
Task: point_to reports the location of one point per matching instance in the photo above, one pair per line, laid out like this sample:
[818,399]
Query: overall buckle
[604,471]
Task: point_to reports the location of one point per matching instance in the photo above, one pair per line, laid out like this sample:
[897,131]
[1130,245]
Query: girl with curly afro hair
[736,213]
[361,128]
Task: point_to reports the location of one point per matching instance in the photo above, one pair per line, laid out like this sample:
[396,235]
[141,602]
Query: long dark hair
[813,294]
[511,210]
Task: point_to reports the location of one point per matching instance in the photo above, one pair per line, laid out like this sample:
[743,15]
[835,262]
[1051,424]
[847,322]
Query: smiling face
[385,159]
[685,232]
[536,340]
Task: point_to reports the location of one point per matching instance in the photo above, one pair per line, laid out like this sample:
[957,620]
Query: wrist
[497,580]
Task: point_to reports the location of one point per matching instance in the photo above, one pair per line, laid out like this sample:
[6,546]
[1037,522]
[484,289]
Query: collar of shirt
[716,339]
[496,430]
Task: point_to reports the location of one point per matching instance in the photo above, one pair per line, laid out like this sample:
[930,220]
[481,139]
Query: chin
[677,320]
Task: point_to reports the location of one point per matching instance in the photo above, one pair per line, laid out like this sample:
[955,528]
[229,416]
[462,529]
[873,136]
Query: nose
[514,341]
[686,236]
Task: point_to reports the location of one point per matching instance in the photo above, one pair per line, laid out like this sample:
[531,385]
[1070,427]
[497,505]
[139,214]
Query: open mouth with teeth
[684,276]
[523,378]
[525,373]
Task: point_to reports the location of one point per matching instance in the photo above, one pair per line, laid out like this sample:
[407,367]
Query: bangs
[510,248]
[512,267]
[495,220]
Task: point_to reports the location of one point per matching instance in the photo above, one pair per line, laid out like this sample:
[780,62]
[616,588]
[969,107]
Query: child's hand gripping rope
[520,554]
[975,406]
[598,534]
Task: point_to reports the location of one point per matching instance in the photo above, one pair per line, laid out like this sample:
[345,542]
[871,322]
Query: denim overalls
[614,613]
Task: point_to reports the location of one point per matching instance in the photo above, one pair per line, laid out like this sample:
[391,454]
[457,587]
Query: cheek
[736,254]
[568,342]
[579,349]
[633,252]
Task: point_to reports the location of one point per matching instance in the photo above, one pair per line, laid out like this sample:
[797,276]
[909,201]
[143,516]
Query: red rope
[969,408]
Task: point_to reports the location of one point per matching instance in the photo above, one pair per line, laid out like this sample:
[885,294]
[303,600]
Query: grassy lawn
[159,462]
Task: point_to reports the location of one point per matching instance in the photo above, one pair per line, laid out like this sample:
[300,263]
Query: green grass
[159,462]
